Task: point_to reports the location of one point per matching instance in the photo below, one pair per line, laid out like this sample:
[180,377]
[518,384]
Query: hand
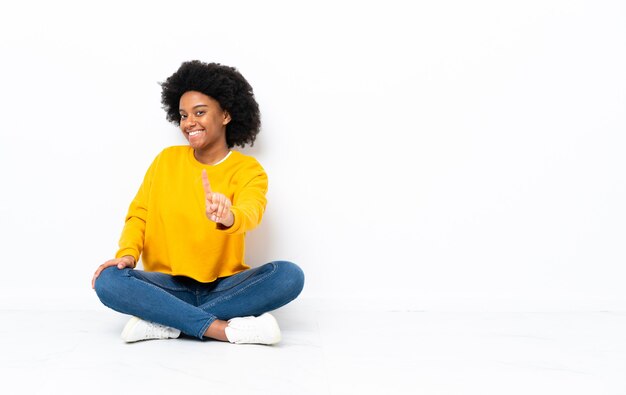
[121,263]
[217,205]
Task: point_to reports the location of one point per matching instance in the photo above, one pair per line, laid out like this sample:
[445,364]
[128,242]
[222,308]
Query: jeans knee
[105,283]
[292,276]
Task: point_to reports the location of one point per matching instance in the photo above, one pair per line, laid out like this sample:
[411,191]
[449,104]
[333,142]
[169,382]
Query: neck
[210,156]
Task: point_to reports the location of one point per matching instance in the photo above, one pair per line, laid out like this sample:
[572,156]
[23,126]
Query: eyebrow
[194,107]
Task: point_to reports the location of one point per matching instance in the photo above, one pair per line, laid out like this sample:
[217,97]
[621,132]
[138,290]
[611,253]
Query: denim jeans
[191,306]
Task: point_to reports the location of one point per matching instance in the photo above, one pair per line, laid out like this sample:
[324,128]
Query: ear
[227,118]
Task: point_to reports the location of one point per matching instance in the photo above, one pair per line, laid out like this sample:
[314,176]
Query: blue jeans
[191,306]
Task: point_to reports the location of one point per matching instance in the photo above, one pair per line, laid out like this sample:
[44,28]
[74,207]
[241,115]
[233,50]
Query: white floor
[324,351]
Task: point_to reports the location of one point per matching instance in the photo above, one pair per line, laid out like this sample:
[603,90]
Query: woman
[188,223]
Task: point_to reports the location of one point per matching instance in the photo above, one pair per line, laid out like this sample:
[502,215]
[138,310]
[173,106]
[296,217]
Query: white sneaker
[253,330]
[137,329]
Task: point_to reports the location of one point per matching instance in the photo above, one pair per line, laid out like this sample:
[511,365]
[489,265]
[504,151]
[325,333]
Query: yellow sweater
[167,225]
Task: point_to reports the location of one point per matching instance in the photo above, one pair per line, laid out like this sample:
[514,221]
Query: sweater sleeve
[249,203]
[132,239]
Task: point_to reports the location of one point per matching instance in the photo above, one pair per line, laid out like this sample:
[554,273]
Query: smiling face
[203,121]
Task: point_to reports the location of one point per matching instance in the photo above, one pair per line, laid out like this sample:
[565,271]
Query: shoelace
[245,323]
[157,331]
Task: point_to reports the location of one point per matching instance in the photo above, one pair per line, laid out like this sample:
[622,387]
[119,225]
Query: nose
[189,122]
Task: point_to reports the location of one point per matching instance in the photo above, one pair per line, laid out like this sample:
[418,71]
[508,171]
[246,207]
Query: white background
[441,154]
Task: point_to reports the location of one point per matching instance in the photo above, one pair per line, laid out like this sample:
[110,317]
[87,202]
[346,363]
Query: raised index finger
[205,183]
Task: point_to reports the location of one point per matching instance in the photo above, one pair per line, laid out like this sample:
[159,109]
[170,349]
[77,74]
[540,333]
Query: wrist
[227,223]
[230,220]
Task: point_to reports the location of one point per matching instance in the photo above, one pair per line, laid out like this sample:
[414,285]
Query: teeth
[195,132]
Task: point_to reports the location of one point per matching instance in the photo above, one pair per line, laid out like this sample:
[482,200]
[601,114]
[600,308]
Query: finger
[228,211]
[214,212]
[95,276]
[206,184]
[124,262]
[215,207]
[225,210]
[209,213]
[209,201]
[220,208]
[130,262]
[110,262]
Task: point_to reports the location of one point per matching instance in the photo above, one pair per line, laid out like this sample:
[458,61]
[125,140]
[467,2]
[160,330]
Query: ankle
[217,330]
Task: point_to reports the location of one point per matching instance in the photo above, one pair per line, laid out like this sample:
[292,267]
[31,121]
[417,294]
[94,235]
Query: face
[202,120]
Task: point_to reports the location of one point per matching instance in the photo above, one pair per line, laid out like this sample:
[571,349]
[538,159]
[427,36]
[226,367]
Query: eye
[183,116]
[199,113]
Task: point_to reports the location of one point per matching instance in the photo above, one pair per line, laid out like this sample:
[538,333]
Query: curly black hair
[224,84]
